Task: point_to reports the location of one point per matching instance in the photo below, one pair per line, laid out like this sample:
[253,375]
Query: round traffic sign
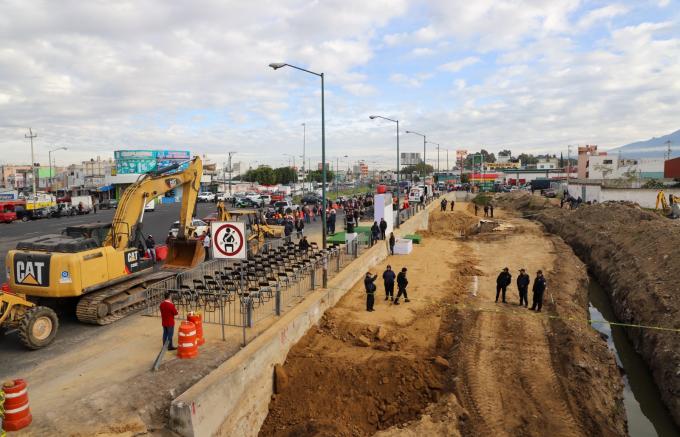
[228,240]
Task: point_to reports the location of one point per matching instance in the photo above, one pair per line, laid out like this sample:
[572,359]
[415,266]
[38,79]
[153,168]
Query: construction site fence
[246,303]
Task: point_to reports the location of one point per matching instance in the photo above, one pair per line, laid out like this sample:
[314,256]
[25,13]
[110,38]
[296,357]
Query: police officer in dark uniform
[402,282]
[523,287]
[538,289]
[369,284]
[388,279]
[502,281]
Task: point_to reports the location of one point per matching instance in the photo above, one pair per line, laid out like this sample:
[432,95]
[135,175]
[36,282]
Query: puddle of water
[647,415]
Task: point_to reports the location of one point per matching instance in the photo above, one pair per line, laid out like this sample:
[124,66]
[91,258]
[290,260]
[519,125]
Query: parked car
[199,227]
[246,202]
[310,199]
[266,198]
[108,204]
[285,205]
[206,196]
[550,192]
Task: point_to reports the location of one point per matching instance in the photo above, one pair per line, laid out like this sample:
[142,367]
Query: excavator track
[108,305]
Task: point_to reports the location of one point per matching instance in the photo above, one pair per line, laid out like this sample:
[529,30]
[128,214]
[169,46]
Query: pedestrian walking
[486,210]
[332,218]
[383,228]
[355,214]
[502,281]
[392,241]
[168,313]
[388,279]
[491,209]
[402,283]
[476,208]
[523,287]
[538,289]
[300,228]
[206,245]
[442,205]
[369,284]
[453,203]
[288,229]
[375,233]
[151,247]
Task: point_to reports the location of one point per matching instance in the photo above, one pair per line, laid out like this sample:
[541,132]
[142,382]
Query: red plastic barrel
[382,189]
[161,252]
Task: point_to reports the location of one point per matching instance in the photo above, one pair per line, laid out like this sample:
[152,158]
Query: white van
[415,193]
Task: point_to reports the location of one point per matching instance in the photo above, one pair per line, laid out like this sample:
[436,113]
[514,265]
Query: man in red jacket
[168,313]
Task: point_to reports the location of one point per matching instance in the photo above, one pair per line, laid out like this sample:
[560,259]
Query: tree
[419,168]
[285,175]
[527,159]
[317,176]
[263,175]
[505,152]
[486,157]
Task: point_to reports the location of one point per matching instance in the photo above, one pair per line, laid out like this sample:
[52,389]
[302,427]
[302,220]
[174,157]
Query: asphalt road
[13,356]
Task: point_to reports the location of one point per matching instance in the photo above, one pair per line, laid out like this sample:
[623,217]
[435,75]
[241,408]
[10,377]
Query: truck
[85,201]
[8,210]
[415,193]
[539,184]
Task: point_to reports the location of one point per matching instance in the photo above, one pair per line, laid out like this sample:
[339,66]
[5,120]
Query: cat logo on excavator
[33,270]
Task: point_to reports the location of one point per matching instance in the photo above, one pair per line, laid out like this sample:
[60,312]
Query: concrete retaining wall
[233,400]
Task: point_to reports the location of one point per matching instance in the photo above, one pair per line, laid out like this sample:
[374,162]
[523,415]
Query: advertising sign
[410,158]
[144,161]
[228,240]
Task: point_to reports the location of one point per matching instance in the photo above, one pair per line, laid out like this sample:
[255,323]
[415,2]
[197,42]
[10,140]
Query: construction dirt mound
[452,224]
[634,255]
[346,382]
[523,201]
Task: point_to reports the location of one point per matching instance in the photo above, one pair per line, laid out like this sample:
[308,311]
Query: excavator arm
[128,215]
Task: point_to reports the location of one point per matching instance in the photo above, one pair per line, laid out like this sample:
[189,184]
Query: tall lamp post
[337,166]
[373,117]
[304,146]
[436,144]
[324,244]
[424,147]
[49,157]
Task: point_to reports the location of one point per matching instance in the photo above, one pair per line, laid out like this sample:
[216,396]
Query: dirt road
[503,370]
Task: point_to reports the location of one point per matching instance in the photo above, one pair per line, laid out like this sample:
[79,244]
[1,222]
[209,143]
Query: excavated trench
[647,415]
[632,254]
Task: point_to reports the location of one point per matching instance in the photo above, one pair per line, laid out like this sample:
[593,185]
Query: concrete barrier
[233,400]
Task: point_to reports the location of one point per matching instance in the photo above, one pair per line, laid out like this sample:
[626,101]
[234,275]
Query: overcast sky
[95,76]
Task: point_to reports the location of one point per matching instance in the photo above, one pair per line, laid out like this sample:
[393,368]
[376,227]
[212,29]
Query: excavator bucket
[184,254]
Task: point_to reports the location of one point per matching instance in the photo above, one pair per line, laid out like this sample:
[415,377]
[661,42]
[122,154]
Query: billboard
[144,161]
[410,158]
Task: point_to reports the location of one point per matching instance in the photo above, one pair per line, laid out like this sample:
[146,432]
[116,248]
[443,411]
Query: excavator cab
[184,253]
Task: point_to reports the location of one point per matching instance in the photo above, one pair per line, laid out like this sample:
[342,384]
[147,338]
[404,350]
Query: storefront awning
[105,188]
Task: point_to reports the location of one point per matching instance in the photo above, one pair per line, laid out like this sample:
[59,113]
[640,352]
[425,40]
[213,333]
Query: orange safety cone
[186,342]
[17,411]
[196,319]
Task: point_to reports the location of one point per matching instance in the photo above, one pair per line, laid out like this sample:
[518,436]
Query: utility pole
[230,170]
[568,165]
[30,136]
[668,152]
[304,146]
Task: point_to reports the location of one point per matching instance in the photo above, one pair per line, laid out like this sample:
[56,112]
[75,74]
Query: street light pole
[30,136]
[372,117]
[324,244]
[424,148]
[230,171]
[304,146]
[49,157]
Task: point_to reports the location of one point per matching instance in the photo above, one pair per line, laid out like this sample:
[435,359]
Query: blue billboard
[144,161]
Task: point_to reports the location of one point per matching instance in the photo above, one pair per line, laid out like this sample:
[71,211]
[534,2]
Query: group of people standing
[445,202]
[389,279]
[504,280]
[378,231]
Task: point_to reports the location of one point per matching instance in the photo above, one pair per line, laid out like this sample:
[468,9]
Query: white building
[547,164]
[611,167]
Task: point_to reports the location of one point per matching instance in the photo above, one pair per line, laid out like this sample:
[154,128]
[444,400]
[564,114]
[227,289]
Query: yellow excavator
[673,204]
[256,225]
[101,263]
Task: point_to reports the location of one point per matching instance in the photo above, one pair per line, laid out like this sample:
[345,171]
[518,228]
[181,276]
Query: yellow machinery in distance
[100,263]
[672,205]
[255,223]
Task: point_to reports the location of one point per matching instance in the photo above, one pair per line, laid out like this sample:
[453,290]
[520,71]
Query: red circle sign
[237,233]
